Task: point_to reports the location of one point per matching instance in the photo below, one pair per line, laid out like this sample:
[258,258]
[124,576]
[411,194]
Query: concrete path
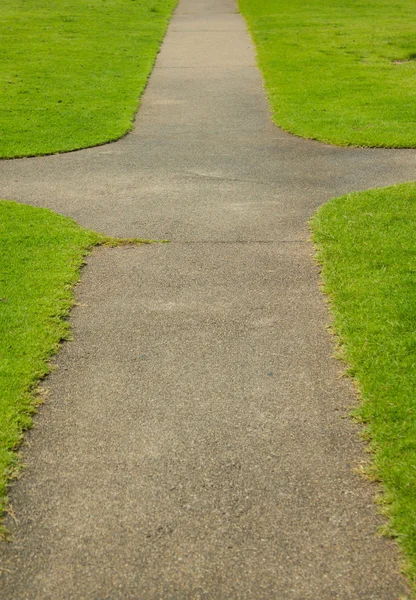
[193,444]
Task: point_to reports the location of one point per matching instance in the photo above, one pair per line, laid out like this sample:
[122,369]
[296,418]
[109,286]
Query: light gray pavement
[194,444]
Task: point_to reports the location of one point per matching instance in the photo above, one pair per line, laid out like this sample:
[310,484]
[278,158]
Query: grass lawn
[40,257]
[329,68]
[72,72]
[366,244]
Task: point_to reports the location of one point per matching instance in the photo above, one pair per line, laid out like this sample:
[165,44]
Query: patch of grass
[366,245]
[40,257]
[72,72]
[330,69]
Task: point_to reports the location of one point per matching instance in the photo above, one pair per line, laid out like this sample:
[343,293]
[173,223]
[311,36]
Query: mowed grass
[330,69]
[345,73]
[72,71]
[40,257]
[366,244]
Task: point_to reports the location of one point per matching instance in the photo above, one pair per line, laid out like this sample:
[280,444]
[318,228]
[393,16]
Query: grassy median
[340,72]
[366,245]
[72,72]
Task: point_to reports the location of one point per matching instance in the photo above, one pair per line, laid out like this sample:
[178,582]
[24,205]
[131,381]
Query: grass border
[137,93]
[35,393]
[387,207]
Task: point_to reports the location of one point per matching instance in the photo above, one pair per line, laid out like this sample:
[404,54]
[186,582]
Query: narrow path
[193,444]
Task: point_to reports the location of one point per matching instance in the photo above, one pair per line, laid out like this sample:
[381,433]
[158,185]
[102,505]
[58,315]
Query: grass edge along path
[366,247]
[77,80]
[41,254]
[343,73]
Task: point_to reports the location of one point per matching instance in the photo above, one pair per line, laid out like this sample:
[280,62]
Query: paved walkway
[193,444]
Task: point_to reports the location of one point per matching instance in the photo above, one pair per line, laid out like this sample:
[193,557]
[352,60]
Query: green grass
[72,71]
[345,73]
[328,68]
[366,244]
[40,257]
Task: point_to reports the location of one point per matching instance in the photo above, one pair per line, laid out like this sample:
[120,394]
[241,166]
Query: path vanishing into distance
[195,442]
